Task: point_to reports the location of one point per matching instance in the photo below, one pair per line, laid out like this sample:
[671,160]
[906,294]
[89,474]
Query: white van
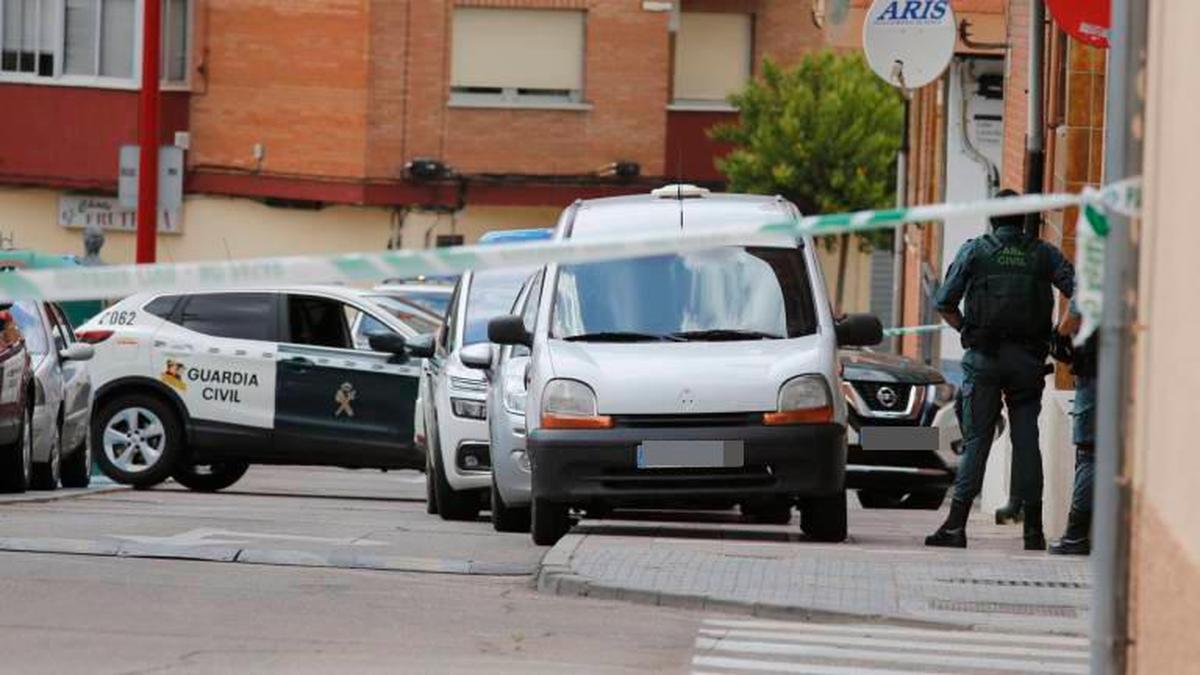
[708,375]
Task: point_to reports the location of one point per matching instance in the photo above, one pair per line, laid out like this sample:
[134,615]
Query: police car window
[240,316]
[26,316]
[162,307]
[320,322]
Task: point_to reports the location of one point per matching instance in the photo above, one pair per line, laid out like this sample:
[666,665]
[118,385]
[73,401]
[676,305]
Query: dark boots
[1010,512]
[953,532]
[1077,540]
[1035,539]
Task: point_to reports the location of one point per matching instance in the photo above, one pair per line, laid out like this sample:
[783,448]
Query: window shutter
[116,38]
[712,55]
[80,38]
[518,48]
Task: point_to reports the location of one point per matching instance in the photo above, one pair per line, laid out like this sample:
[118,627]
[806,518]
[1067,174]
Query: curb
[556,577]
[37,497]
[271,557]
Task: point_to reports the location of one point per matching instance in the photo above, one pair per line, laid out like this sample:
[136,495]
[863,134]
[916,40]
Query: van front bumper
[579,467]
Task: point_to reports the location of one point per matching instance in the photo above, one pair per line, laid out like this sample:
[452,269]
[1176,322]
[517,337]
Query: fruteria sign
[909,43]
[1085,20]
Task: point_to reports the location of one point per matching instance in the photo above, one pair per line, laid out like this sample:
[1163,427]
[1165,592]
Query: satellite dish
[909,43]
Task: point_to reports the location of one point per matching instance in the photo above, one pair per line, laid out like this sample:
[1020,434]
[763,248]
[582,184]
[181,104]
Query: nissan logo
[886,397]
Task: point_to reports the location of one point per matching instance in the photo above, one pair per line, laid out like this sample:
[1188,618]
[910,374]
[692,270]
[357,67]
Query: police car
[198,386]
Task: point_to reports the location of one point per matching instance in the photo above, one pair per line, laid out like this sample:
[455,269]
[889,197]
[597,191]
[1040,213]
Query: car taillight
[94,336]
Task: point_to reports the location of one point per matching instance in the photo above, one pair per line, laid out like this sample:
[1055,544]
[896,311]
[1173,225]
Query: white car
[702,375]
[198,386]
[453,397]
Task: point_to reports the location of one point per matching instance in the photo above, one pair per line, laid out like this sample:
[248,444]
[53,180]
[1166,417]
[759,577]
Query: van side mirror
[477,356]
[509,330]
[858,330]
[421,346]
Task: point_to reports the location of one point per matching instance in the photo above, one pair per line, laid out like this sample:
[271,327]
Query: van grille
[698,420]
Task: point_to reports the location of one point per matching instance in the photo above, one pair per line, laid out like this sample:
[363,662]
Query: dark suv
[904,438]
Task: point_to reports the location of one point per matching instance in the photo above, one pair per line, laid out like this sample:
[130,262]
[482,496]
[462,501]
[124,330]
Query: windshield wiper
[718,334]
[621,336]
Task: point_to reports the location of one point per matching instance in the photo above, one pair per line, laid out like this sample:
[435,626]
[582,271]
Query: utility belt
[989,340]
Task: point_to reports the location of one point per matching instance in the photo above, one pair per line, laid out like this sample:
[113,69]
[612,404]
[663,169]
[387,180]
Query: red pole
[147,205]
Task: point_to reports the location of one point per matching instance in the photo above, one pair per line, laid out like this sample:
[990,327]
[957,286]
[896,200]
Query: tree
[824,134]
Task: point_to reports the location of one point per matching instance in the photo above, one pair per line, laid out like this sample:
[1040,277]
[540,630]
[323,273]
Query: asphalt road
[64,612]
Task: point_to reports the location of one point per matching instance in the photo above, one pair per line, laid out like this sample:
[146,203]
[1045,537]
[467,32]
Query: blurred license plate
[690,454]
[899,438]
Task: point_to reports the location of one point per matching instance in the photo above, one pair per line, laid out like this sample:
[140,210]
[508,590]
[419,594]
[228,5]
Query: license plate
[899,438]
[691,454]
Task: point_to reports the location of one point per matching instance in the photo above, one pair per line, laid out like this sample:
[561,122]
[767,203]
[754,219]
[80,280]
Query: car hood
[666,378]
[868,366]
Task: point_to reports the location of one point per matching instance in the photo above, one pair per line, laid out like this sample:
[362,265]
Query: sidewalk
[884,572]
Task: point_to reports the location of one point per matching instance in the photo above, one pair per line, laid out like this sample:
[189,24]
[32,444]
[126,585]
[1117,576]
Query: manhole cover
[1023,583]
[988,607]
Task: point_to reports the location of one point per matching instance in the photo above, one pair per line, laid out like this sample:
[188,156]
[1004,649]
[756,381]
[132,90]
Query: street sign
[170,177]
[1085,20]
[909,43]
[80,211]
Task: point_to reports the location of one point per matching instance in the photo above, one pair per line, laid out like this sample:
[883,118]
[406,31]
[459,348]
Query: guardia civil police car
[199,386]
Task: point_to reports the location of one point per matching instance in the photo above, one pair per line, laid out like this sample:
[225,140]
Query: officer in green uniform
[1077,540]
[1006,278]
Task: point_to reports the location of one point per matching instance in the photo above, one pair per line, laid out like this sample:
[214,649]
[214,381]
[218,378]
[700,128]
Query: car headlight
[470,409]
[570,404]
[802,400]
[514,391]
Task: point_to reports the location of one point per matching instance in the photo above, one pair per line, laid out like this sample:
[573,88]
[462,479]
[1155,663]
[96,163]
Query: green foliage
[824,134]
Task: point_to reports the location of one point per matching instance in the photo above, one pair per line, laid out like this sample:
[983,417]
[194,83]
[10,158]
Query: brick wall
[1016,98]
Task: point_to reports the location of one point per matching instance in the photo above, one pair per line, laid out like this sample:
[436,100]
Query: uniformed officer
[1006,277]
[1077,540]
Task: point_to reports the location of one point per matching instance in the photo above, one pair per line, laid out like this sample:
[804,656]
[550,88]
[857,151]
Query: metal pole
[1035,142]
[898,239]
[147,203]
[1123,158]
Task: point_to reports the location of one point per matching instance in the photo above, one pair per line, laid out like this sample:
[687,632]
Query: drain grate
[1020,608]
[1019,583]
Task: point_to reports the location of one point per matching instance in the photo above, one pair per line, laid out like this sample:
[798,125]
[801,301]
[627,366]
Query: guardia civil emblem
[344,397]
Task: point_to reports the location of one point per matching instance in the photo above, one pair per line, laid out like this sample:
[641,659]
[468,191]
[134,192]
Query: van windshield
[730,293]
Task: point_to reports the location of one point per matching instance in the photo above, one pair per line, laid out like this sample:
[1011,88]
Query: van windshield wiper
[621,336]
[719,334]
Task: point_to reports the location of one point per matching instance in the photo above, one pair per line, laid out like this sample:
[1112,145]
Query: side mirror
[422,346]
[509,330]
[80,351]
[477,356]
[387,342]
[858,330]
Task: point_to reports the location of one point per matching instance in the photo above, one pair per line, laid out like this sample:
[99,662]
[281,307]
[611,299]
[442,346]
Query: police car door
[336,404]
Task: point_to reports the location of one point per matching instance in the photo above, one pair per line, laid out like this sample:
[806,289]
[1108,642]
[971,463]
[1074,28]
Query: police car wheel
[209,477]
[452,504]
[549,522]
[77,467]
[139,439]
[824,518]
[507,518]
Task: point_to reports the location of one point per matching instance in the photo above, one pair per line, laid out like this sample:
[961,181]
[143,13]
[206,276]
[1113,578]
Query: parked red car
[16,409]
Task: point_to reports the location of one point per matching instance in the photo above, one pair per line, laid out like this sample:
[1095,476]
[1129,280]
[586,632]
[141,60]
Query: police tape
[115,281]
[914,330]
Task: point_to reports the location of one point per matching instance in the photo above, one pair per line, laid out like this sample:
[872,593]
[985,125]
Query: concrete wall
[1164,462]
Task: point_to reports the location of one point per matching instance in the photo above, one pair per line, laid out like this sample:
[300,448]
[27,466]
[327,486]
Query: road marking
[205,536]
[753,645]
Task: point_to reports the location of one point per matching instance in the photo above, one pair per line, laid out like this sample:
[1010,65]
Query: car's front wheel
[77,467]
[507,518]
[46,474]
[451,504]
[16,459]
[549,521]
[824,518]
[209,477]
[139,438]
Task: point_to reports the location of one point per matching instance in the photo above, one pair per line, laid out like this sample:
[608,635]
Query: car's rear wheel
[507,518]
[451,504]
[824,518]
[77,467]
[767,512]
[46,474]
[930,499]
[549,521]
[209,477]
[16,459]
[139,438]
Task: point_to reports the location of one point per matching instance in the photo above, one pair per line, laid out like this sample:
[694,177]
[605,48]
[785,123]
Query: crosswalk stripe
[955,635]
[782,649]
[730,663]
[908,645]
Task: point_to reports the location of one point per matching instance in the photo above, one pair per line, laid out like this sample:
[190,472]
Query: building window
[517,57]
[713,56]
[88,42]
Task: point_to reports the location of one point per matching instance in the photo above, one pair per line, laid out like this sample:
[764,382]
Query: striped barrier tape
[115,281]
[912,330]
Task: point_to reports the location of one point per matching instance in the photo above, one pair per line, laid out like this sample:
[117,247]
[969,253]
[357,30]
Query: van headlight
[571,404]
[514,391]
[802,400]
